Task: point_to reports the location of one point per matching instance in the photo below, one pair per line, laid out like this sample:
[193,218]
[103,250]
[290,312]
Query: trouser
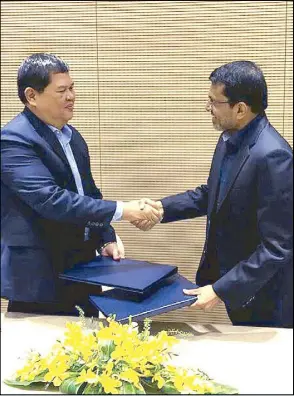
[72,294]
[52,308]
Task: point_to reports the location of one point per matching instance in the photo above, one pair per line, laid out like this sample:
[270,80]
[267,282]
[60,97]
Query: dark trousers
[64,309]
[71,293]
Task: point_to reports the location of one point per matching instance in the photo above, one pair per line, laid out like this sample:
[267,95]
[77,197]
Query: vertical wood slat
[141,71]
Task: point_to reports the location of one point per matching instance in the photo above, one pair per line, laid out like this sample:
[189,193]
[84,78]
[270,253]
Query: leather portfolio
[168,297]
[138,278]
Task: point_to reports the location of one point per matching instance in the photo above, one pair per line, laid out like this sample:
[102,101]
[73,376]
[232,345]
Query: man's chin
[69,117]
[217,127]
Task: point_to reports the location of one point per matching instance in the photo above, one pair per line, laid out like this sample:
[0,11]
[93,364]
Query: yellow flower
[110,384]
[57,366]
[118,333]
[178,381]
[56,377]
[26,373]
[131,376]
[109,367]
[31,369]
[165,340]
[186,381]
[87,376]
[160,381]
[105,333]
[171,369]
[199,385]
[73,335]
[144,368]
[87,346]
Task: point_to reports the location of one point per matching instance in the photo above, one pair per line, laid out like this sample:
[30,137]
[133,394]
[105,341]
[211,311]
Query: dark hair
[243,82]
[35,71]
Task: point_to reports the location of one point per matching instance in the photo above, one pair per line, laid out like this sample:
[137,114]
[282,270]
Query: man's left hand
[115,250]
[207,299]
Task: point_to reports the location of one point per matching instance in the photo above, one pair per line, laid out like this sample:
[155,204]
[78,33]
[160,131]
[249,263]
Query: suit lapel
[215,172]
[250,139]
[47,134]
[236,167]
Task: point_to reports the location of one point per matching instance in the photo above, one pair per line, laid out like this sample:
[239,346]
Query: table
[255,360]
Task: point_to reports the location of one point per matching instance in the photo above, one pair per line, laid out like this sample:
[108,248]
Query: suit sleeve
[187,205]
[275,224]
[24,173]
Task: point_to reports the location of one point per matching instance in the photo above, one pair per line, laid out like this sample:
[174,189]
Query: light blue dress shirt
[64,136]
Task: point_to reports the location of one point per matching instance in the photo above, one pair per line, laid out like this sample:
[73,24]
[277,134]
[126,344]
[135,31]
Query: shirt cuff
[118,212]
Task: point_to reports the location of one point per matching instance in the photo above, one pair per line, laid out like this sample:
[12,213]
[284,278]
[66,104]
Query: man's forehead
[217,90]
[61,79]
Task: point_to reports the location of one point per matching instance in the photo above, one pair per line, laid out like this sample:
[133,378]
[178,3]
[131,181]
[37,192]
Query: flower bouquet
[114,359]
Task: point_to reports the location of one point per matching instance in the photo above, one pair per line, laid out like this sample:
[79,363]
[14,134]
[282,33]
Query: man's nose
[208,106]
[70,95]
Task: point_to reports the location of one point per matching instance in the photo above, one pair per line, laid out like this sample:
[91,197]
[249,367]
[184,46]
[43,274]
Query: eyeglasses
[214,102]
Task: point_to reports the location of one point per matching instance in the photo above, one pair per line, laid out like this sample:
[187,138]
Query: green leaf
[221,389]
[16,383]
[150,387]
[140,391]
[70,387]
[38,378]
[93,390]
[169,389]
[34,387]
[107,349]
[129,389]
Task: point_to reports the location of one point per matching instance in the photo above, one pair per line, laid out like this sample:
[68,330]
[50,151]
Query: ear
[30,95]
[242,110]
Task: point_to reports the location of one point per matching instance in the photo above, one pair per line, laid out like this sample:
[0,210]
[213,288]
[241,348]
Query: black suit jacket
[249,227]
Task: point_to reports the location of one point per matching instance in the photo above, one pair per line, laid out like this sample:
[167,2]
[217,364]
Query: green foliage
[129,389]
[70,387]
[221,389]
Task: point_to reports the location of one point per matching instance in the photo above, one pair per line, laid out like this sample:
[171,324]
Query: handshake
[143,214]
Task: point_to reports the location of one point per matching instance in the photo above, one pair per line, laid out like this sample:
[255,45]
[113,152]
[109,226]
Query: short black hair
[35,71]
[243,82]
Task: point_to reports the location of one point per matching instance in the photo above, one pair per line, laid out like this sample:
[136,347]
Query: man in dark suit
[52,214]
[247,259]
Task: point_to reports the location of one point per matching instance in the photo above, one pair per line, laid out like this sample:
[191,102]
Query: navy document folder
[138,278]
[168,297]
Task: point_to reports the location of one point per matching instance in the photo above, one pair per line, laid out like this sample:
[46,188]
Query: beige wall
[141,71]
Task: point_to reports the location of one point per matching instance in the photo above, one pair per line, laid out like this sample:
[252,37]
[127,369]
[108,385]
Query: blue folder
[166,298]
[138,278]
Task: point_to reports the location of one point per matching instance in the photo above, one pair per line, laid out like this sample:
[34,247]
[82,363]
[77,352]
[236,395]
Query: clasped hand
[143,214]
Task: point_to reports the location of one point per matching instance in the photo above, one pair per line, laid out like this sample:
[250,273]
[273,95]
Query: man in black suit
[247,260]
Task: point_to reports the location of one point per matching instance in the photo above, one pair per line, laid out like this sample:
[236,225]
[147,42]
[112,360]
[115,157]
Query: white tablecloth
[254,360]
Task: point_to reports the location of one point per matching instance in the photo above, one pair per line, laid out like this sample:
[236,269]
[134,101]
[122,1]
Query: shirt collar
[237,138]
[65,133]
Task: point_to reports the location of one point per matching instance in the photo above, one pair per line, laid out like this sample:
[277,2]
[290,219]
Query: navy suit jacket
[43,217]
[250,227]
